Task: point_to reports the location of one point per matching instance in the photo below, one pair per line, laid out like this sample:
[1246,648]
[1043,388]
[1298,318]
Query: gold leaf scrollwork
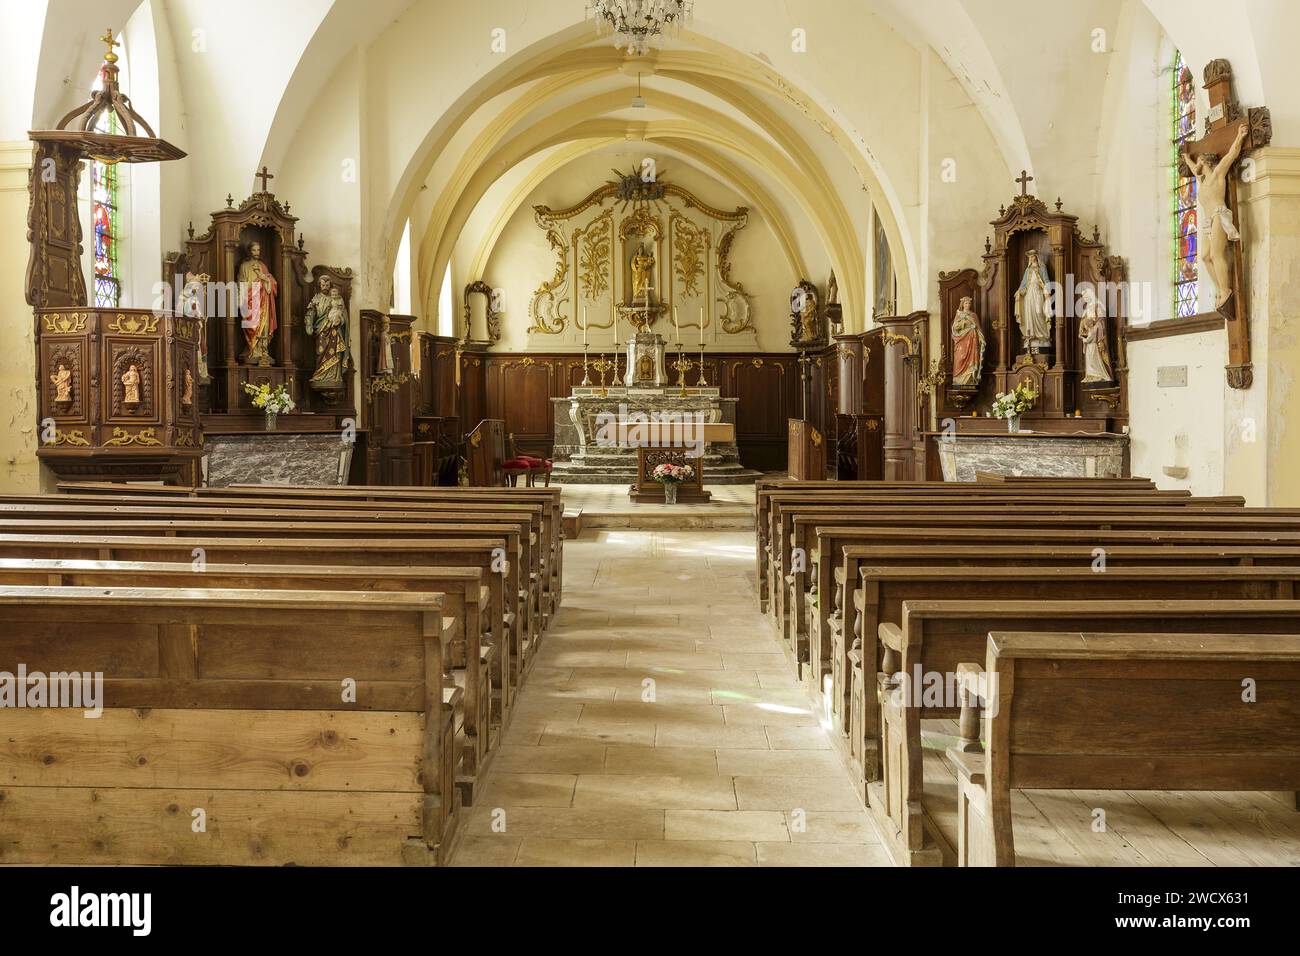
[134,324]
[543,307]
[386,384]
[688,253]
[593,259]
[74,437]
[122,437]
[66,323]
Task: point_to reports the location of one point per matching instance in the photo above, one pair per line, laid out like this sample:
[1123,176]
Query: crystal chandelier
[637,25]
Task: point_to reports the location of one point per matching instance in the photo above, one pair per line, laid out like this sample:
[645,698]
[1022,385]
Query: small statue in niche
[62,381]
[643,264]
[967,347]
[187,388]
[1034,305]
[327,320]
[1096,347]
[131,386]
[387,360]
[257,292]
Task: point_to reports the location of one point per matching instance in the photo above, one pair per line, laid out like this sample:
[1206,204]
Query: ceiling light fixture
[638,25]
[638,101]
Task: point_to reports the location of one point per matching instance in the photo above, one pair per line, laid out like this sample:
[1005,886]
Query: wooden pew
[793,523]
[940,635]
[230,734]
[1121,711]
[1018,546]
[374,495]
[765,488]
[1003,514]
[463,591]
[308,554]
[515,548]
[778,509]
[524,521]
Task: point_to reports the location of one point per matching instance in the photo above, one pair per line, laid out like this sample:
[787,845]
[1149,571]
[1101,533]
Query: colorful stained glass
[1183,110]
[104,219]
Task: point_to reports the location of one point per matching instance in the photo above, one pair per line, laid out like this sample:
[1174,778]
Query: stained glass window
[104,218]
[1183,112]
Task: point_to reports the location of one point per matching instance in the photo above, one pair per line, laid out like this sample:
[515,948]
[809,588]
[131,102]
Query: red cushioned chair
[526,465]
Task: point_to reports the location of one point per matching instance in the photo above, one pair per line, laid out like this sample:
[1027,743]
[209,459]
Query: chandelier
[638,25]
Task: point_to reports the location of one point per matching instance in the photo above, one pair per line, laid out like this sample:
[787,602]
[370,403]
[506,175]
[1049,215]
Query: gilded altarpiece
[603,246]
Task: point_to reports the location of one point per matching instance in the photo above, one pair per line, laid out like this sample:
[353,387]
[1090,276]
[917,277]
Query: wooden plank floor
[1135,828]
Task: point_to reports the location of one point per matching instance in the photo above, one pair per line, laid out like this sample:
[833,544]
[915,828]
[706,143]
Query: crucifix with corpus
[264,175]
[1229,133]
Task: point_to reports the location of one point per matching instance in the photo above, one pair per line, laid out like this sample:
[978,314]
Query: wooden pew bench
[961,513]
[541,599]
[828,615]
[940,635]
[305,555]
[509,542]
[1117,711]
[230,734]
[464,596]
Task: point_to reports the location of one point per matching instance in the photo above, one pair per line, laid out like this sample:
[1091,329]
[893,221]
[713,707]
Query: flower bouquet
[670,476]
[1011,405]
[270,400]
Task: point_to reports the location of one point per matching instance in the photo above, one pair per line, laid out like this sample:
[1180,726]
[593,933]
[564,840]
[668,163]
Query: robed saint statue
[327,320]
[1034,305]
[257,292]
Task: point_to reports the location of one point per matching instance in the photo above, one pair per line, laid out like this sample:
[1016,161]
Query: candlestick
[677,327]
[701,325]
[584,326]
[701,383]
[586,376]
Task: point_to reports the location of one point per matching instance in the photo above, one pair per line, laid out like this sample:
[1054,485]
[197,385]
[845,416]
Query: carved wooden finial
[286,209]
[264,175]
[107,39]
[988,246]
[1002,210]
[301,239]
[230,200]
[190,230]
[1059,204]
[1096,233]
[1024,180]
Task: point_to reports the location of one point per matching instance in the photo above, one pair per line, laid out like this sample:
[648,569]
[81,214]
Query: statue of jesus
[257,292]
[1214,216]
[1034,305]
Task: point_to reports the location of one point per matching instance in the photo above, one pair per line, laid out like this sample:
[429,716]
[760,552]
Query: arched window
[105,200]
[1183,119]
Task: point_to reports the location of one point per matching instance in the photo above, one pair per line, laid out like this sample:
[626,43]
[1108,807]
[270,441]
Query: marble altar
[1042,454]
[319,458]
[580,457]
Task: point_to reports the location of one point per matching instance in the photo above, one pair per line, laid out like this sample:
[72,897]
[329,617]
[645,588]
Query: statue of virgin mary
[1034,305]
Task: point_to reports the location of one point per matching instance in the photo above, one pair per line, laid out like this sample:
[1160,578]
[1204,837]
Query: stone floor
[661,725]
[608,506]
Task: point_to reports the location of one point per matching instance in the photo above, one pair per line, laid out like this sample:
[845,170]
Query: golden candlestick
[603,367]
[701,383]
[683,365]
[586,376]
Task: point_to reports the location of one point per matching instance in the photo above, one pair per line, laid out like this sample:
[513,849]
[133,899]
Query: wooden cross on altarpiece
[1229,134]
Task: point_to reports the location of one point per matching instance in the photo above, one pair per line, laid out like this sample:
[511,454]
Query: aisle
[662,726]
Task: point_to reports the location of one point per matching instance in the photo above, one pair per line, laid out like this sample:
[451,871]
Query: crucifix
[107,38]
[1025,179]
[264,176]
[1229,133]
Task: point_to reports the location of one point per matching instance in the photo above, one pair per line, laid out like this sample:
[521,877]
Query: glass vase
[670,492]
[270,421]
[1013,424]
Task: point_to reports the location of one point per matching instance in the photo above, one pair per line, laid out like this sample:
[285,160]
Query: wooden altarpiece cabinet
[1089,294]
[204,281]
